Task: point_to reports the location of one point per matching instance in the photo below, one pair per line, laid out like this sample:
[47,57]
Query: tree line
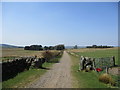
[95,46]
[39,47]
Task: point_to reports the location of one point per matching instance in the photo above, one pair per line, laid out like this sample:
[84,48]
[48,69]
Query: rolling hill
[9,46]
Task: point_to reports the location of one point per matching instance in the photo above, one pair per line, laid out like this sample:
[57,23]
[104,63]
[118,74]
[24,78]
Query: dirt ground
[114,71]
[59,76]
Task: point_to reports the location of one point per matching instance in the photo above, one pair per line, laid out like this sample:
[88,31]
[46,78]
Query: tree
[51,48]
[94,46]
[34,47]
[59,47]
[75,47]
[26,48]
[46,48]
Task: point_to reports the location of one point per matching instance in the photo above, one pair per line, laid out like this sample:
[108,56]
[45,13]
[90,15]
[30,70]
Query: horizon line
[57,44]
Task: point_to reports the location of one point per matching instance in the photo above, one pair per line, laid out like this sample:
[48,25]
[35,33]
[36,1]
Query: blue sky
[50,23]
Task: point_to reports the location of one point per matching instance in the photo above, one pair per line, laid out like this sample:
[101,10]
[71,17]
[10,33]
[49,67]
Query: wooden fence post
[113,57]
[94,63]
[107,70]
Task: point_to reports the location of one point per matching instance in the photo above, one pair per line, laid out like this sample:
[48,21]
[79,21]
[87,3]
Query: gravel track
[59,76]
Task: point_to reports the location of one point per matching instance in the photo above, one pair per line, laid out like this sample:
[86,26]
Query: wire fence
[104,63]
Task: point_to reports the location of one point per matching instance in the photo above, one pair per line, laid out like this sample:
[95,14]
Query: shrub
[47,55]
[107,79]
[59,47]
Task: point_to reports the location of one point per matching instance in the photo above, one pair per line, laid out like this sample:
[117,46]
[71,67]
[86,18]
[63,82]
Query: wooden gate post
[93,63]
[113,57]
[107,70]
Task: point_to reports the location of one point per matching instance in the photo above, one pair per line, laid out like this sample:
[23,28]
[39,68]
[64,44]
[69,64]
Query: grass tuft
[107,79]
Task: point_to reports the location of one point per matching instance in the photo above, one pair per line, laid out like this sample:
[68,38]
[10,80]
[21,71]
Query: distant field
[19,52]
[9,53]
[97,53]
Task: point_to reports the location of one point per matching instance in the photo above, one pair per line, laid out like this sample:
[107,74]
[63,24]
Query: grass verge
[84,79]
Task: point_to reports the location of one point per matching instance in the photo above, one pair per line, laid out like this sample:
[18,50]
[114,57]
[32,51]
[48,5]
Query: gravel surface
[59,76]
[114,71]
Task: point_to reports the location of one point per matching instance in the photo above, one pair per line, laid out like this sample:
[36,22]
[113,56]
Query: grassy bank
[84,79]
[26,77]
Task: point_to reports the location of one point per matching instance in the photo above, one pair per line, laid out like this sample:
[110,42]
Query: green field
[90,79]
[98,53]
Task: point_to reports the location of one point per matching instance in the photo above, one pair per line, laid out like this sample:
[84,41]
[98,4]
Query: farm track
[59,76]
